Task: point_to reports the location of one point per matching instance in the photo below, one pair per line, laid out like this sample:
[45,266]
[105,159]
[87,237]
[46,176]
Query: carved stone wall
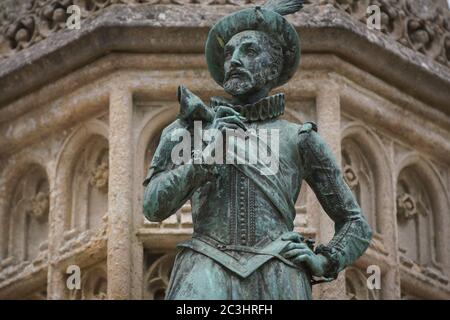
[423,26]
[81,113]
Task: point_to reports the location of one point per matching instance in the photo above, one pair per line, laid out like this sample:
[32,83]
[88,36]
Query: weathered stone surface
[138,29]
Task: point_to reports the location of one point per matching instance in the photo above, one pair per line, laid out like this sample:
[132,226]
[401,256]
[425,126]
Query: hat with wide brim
[258,19]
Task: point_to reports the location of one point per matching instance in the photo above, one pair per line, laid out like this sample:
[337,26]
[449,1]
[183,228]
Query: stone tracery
[364,164]
[417,221]
[28,215]
[156,278]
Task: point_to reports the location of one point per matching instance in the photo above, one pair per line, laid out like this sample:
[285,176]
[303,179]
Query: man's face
[249,63]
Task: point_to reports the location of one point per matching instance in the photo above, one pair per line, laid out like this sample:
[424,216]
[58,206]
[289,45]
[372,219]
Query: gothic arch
[370,177]
[24,210]
[156,278]
[82,175]
[422,211]
[147,140]
[94,284]
[149,134]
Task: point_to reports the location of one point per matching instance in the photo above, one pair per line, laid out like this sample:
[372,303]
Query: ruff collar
[266,108]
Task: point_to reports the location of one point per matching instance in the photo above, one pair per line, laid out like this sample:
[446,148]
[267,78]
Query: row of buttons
[242,210]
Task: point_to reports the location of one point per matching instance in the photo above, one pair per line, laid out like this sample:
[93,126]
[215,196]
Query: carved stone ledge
[423,26]
[6,262]
[13,269]
[83,247]
[422,284]
[88,251]
[75,241]
[430,273]
[435,275]
[182,219]
[139,28]
[161,240]
[20,276]
[23,26]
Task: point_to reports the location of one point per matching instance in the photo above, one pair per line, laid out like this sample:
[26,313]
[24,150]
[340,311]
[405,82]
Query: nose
[236,63]
[235,60]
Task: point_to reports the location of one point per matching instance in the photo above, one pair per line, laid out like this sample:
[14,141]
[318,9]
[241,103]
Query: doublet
[240,215]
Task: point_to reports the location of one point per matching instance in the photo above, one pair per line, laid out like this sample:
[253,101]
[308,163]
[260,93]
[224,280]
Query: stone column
[120,200]
[328,122]
[390,284]
[3,218]
[56,283]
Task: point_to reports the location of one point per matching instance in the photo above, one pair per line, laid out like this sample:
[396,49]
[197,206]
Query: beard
[244,82]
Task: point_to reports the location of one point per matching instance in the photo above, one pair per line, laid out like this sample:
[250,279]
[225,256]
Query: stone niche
[364,164]
[88,186]
[359,176]
[417,219]
[27,218]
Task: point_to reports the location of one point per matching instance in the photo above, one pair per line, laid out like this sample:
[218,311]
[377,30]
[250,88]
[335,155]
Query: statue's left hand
[299,253]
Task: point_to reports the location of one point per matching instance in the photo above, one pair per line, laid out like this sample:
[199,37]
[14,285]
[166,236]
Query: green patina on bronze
[258,19]
[243,246]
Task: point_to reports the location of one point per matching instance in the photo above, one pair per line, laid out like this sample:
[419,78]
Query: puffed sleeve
[352,232]
[168,185]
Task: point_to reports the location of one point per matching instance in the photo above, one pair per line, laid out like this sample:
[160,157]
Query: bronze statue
[243,246]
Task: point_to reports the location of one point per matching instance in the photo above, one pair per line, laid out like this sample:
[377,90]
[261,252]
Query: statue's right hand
[228,118]
[224,118]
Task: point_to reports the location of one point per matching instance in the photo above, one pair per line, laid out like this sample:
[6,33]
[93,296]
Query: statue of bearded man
[244,246]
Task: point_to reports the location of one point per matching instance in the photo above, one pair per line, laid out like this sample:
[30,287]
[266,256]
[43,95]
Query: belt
[243,265]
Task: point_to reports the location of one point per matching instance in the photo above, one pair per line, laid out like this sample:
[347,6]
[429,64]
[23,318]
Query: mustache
[237,71]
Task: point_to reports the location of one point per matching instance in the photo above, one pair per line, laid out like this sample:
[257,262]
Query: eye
[251,52]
